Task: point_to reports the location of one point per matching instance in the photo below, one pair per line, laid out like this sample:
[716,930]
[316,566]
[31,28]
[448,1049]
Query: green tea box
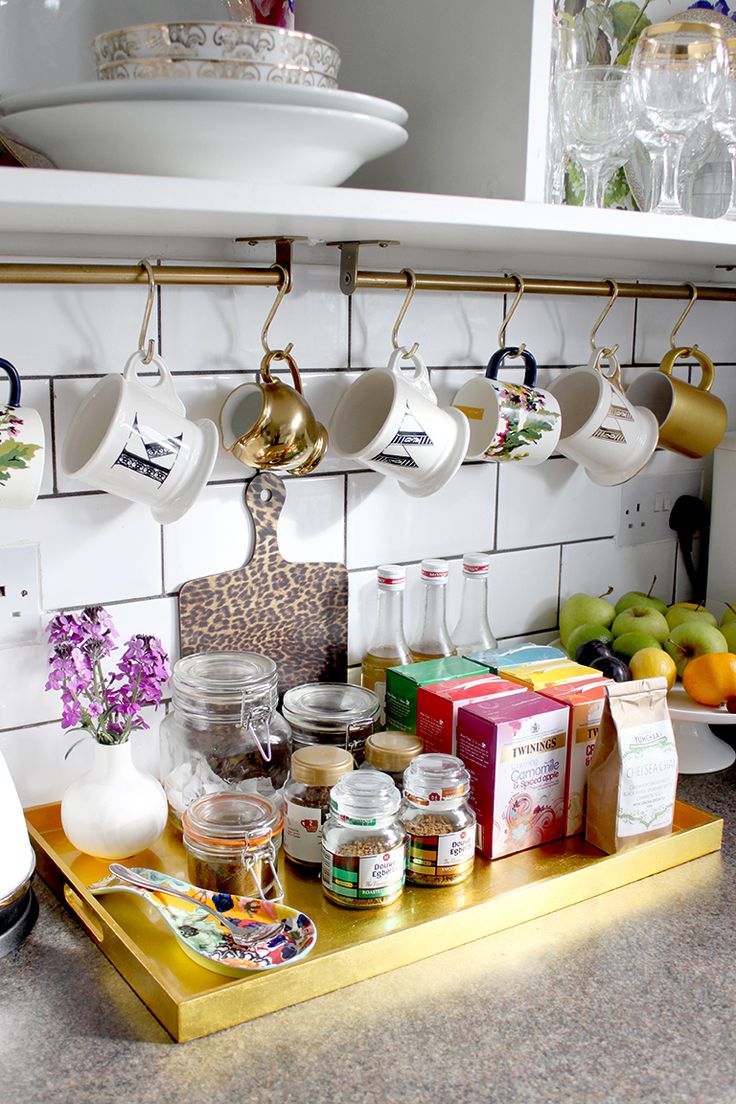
[403,683]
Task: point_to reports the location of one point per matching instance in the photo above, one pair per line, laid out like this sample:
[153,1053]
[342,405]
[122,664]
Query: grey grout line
[52,419]
[559,586]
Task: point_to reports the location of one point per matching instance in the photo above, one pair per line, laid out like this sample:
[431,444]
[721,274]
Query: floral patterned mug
[509,421]
[22,442]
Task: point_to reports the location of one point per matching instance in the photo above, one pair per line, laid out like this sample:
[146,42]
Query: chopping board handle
[265,496]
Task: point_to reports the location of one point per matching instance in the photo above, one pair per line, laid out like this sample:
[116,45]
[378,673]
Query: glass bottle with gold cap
[314,771]
[391,752]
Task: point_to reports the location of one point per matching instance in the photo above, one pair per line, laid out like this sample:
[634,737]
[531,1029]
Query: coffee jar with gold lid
[231,842]
[314,771]
[392,752]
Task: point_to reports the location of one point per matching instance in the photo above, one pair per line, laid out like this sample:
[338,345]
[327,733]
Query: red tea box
[438,705]
[515,749]
[585,701]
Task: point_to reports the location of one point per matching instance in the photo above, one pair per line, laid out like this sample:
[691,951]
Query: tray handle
[77,905]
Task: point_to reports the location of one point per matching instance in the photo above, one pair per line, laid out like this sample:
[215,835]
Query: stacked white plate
[249,132]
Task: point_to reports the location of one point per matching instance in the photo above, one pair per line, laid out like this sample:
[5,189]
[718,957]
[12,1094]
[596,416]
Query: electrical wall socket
[646,503]
[20,595]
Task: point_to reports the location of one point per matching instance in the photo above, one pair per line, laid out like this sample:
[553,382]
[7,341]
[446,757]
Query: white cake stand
[699,751]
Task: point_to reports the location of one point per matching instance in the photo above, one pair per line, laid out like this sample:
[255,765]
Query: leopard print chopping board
[295,613]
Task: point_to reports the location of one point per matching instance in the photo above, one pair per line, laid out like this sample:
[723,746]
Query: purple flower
[108,705]
[719,6]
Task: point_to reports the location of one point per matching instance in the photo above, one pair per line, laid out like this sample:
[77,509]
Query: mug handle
[13,380]
[496,363]
[614,376]
[420,379]
[281,354]
[162,390]
[707,368]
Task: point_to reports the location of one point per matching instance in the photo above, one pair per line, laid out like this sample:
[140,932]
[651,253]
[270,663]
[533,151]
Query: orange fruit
[711,679]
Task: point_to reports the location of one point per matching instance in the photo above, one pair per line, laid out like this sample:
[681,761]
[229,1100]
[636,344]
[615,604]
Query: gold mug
[270,426]
[692,421]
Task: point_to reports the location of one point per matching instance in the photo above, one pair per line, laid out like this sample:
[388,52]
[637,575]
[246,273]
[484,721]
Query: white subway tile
[37,395]
[218,329]
[94,548]
[384,524]
[63,330]
[217,533]
[712,326]
[23,674]
[552,637]
[725,388]
[592,566]
[552,503]
[556,329]
[35,757]
[523,591]
[451,329]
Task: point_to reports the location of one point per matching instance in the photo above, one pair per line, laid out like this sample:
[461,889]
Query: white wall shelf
[93,209]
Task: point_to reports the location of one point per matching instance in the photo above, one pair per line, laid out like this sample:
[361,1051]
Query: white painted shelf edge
[47,201]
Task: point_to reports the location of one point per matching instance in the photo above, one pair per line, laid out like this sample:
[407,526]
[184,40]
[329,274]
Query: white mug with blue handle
[22,447]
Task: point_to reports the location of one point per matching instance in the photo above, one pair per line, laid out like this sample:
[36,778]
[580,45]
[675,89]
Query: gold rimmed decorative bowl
[208,69]
[217,41]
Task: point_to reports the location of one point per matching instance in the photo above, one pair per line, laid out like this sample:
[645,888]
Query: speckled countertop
[626,998]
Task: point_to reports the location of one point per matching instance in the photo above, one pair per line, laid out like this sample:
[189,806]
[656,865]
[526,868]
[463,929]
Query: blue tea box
[497,658]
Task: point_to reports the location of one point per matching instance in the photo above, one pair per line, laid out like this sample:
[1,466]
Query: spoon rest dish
[211,946]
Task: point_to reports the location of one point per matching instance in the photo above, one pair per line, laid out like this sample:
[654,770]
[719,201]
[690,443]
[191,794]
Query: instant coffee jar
[223,731]
[392,752]
[331,713]
[363,853]
[231,842]
[439,823]
[314,771]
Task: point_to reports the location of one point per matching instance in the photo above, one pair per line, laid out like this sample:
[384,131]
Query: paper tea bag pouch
[633,775]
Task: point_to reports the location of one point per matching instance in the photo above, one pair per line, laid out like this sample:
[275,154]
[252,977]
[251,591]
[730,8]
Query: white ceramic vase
[113,810]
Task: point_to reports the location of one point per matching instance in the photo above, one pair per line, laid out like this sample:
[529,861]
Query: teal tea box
[402,684]
[497,658]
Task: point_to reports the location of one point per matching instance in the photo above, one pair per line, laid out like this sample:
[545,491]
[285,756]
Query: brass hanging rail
[430,281]
[29,273]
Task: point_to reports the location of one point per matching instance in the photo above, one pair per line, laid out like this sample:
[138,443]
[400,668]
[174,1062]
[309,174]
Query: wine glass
[596,120]
[724,122]
[678,70]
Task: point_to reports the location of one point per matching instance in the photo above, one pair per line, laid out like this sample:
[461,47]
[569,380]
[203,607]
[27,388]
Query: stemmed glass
[677,74]
[596,120]
[724,122]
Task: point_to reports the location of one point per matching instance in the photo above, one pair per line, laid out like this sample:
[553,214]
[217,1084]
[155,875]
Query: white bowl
[253,143]
[297,95]
[226,41]
[213,69]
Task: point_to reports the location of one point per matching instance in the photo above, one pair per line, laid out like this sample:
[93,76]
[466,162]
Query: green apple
[629,643]
[692,639]
[729,615]
[583,633]
[639,598]
[689,611]
[729,631]
[584,609]
[641,619]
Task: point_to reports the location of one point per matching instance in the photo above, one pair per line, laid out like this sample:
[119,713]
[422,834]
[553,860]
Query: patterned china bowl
[218,41]
[207,68]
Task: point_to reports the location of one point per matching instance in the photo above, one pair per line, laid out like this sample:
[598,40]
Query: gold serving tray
[352,945]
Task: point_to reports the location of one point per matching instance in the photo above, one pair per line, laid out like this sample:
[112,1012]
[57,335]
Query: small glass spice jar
[331,713]
[314,771]
[363,851]
[439,822]
[392,752]
[231,842]
[223,731]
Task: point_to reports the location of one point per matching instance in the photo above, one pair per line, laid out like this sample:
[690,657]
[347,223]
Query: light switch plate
[20,595]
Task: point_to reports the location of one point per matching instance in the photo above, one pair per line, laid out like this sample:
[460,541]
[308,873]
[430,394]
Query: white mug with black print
[131,437]
[391,422]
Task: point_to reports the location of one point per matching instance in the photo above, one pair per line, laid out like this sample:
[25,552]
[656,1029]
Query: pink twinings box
[586,707]
[438,705]
[515,751]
